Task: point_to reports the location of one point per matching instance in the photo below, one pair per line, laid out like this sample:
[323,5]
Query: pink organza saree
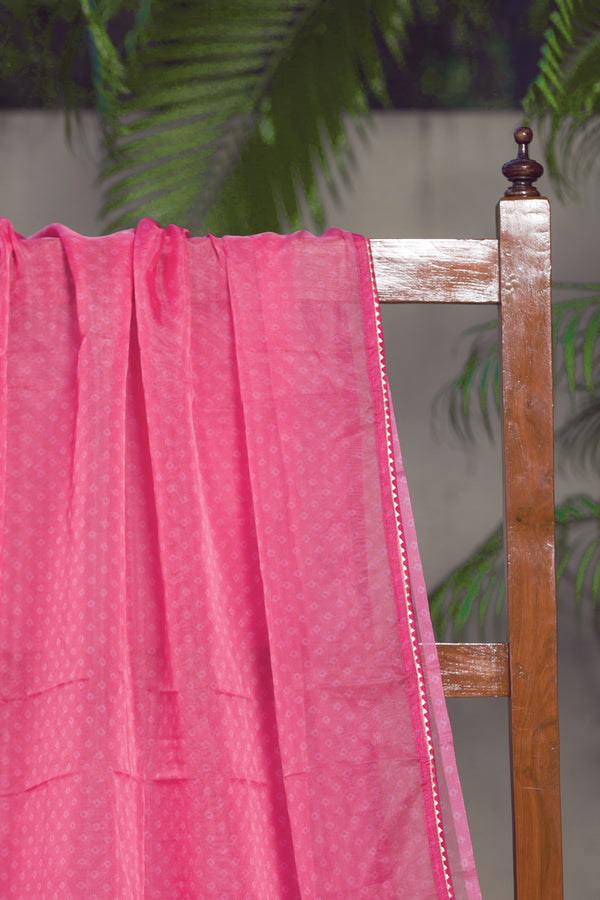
[212,684]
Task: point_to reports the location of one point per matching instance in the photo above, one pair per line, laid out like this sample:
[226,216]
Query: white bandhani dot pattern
[204,692]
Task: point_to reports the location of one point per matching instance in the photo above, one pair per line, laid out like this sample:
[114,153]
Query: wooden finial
[522,171]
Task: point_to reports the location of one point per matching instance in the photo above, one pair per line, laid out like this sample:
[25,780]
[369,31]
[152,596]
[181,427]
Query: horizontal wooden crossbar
[474,670]
[430,271]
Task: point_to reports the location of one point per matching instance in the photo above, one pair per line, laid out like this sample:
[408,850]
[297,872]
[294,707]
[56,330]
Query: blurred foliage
[564,102]
[460,54]
[475,589]
[247,103]
[468,54]
[470,404]
[217,115]
[564,98]
[230,115]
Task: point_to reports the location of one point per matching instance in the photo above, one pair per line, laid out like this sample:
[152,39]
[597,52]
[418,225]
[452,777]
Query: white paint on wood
[436,271]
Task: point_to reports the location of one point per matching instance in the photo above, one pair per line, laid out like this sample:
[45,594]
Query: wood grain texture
[429,271]
[515,271]
[474,670]
[528,438]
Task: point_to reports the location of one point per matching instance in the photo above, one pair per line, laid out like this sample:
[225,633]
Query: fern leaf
[472,386]
[494,582]
[578,547]
[490,366]
[246,103]
[472,585]
[596,585]
[568,342]
[465,401]
[108,72]
[567,90]
[582,571]
[589,345]
[579,438]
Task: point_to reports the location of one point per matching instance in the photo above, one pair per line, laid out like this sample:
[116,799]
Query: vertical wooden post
[528,436]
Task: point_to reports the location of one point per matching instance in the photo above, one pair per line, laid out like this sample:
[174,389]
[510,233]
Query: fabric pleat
[211,680]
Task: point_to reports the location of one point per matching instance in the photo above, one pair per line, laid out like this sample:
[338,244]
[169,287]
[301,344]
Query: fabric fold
[64,586]
[210,683]
[219,674]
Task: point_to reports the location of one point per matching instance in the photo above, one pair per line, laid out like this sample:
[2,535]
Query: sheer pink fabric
[211,684]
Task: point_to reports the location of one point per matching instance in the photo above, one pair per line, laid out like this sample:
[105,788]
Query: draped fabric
[212,603]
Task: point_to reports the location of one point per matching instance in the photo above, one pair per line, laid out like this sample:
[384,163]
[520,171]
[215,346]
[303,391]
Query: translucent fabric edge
[451,875]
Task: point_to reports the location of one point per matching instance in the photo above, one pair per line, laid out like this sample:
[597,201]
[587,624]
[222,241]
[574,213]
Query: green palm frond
[567,89]
[470,398]
[578,547]
[108,71]
[234,108]
[476,588]
[575,332]
[473,397]
[578,440]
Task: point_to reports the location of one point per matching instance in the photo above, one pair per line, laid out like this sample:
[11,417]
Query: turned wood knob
[522,171]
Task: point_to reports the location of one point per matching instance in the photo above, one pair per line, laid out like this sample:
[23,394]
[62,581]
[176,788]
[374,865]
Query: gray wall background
[433,174]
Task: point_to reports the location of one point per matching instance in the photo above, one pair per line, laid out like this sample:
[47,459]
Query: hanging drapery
[212,604]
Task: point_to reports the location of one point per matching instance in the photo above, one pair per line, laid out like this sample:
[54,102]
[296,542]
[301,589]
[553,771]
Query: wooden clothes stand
[513,272]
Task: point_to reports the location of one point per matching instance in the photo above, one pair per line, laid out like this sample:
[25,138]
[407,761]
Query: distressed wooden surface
[474,670]
[430,271]
[528,438]
[515,272]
